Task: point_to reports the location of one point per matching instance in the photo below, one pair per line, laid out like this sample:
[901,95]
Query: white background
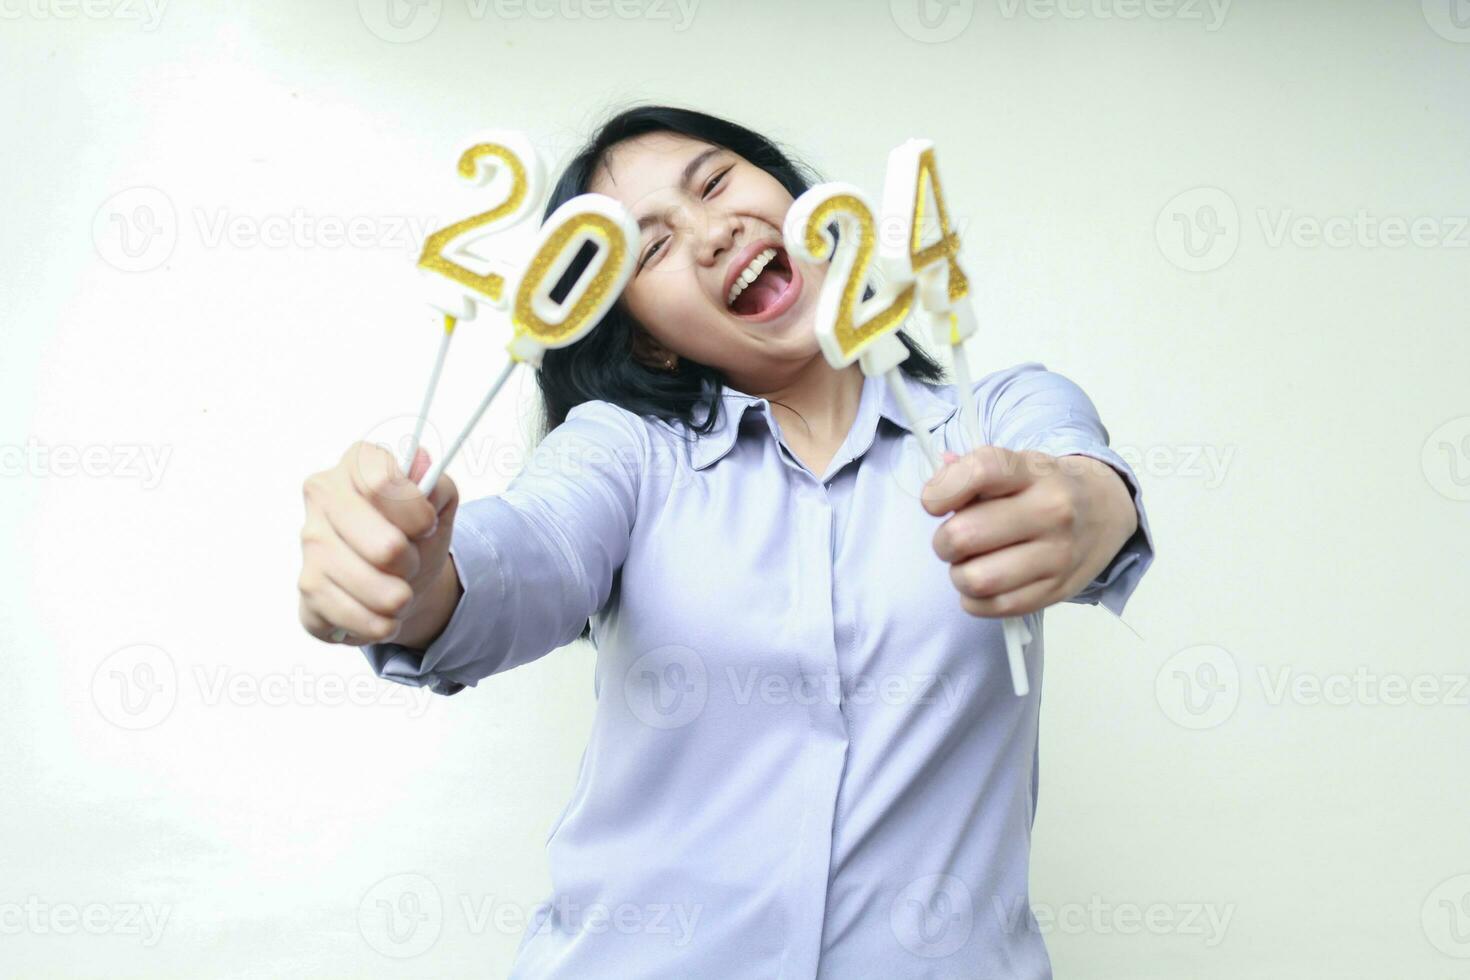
[1298,411]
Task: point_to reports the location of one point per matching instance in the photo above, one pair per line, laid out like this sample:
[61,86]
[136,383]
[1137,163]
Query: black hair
[601,365]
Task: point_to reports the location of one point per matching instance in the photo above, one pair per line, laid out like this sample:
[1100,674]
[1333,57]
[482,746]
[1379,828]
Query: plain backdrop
[1240,227]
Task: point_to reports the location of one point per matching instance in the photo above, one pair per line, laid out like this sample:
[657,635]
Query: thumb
[420,464]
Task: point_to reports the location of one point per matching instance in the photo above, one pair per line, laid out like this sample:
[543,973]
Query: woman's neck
[817,405]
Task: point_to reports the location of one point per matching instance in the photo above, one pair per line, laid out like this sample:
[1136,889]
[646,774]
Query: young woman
[807,759]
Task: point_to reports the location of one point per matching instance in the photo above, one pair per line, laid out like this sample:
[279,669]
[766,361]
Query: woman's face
[709,220]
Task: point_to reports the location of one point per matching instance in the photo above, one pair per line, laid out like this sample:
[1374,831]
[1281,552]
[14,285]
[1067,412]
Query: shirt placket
[825,760]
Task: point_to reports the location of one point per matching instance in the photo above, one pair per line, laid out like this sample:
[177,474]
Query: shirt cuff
[443,666]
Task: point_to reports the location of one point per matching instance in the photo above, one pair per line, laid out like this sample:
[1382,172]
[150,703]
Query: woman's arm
[528,567]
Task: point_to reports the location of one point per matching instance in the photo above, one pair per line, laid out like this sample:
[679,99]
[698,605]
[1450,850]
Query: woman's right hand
[375,551]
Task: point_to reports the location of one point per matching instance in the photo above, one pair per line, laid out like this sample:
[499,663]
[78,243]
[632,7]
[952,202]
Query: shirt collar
[932,404]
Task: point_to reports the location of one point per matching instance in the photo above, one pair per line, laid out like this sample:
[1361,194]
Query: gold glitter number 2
[450,239]
[853,336]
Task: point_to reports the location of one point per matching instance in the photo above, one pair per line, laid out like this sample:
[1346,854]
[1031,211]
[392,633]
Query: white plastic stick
[406,463]
[900,395]
[1017,636]
[963,326]
[970,417]
[426,485]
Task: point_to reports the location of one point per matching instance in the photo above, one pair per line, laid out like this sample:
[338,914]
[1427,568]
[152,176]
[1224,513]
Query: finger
[387,595]
[367,531]
[1003,571]
[1018,602]
[376,476]
[315,624]
[986,470]
[342,610]
[985,525]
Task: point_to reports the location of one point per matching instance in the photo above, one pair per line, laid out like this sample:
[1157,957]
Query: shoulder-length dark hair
[601,365]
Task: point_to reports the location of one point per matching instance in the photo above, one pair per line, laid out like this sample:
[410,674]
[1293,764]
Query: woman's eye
[648,255]
[714,181]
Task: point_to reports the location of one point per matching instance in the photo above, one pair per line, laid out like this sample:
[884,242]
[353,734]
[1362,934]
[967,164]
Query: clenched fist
[374,551]
[1028,529]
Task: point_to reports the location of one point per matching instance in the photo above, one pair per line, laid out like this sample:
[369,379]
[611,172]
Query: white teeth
[749,275]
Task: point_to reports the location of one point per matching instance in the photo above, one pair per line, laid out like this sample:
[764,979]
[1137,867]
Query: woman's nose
[719,236]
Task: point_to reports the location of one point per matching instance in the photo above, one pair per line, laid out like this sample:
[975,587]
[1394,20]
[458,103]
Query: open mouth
[766,287]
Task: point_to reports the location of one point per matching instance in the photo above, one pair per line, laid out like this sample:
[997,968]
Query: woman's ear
[649,352]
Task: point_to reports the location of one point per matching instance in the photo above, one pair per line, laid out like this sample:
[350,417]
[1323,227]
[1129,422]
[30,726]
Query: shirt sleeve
[538,560]
[1029,407]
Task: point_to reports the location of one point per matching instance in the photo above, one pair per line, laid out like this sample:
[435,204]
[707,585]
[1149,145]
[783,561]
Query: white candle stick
[969,419]
[406,463]
[426,483]
[901,395]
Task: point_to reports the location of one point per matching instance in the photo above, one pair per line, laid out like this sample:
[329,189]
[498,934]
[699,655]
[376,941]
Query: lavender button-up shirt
[807,759]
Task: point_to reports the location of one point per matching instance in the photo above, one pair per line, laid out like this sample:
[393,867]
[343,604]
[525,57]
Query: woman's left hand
[1028,529]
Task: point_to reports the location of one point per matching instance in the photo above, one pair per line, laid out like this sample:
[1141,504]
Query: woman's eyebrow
[692,167]
[685,178]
